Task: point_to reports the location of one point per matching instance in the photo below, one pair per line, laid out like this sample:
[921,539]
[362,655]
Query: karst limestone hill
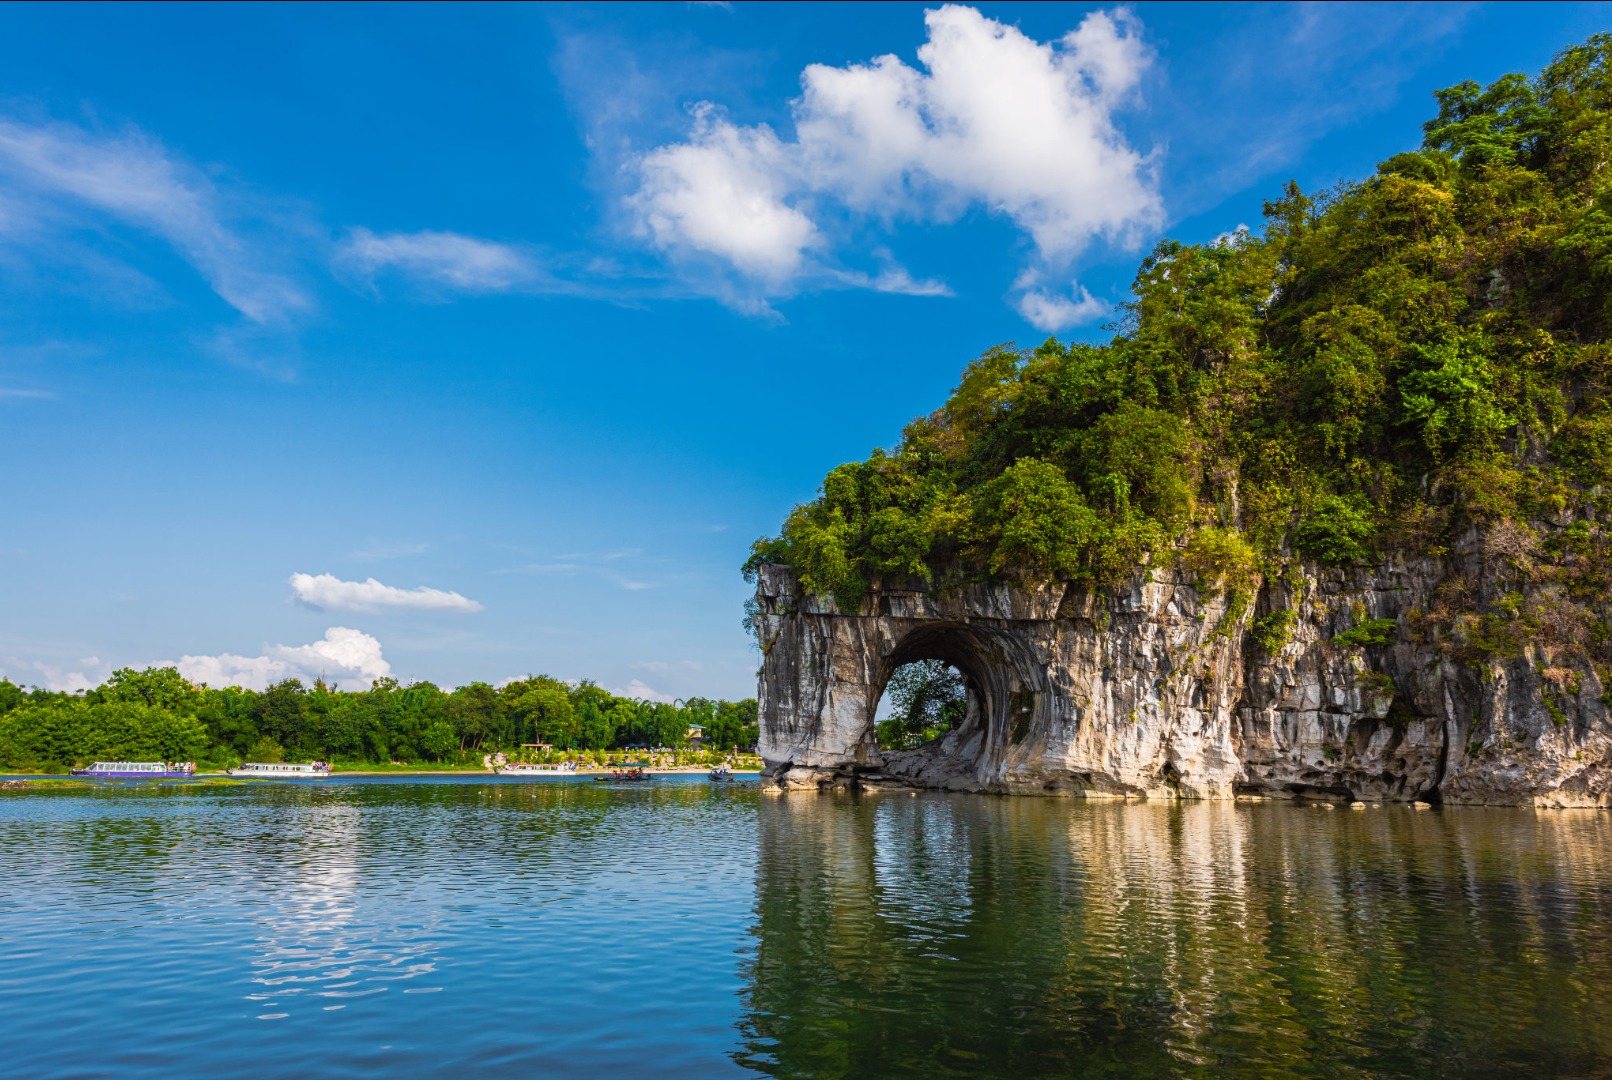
[1327,516]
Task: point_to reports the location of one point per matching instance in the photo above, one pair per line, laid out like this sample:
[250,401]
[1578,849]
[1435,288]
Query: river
[557,927]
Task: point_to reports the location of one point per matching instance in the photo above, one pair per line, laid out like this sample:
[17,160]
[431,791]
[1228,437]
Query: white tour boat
[534,768]
[277,770]
[139,770]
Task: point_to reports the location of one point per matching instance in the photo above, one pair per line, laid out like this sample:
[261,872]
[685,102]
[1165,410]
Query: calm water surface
[569,928]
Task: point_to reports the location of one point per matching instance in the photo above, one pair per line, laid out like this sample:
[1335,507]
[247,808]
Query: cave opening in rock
[922,701]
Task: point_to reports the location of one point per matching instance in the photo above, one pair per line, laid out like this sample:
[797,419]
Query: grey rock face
[1160,691]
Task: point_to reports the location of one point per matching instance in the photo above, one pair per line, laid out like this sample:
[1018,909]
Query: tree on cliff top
[1380,367]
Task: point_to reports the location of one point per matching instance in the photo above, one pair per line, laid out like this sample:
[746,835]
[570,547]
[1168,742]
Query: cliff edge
[1370,691]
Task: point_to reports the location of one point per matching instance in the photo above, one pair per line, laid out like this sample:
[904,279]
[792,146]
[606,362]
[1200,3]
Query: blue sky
[461,343]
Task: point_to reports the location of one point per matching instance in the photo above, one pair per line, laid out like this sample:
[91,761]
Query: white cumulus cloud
[60,678]
[342,657]
[329,592]
[1052,313]
[447,259]
[1022,127]
[994,118]
[725,192]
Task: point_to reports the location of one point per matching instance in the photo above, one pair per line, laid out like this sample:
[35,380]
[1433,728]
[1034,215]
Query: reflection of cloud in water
[511,929]
[314,943]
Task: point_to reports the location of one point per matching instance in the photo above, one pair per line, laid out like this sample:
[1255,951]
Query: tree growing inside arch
[927,699]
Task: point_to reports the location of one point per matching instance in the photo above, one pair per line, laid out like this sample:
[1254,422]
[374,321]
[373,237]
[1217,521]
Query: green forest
[157,714]
[927,698]
[1410,364]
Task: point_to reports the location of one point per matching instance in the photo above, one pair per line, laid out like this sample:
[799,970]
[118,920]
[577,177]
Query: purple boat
[139,770]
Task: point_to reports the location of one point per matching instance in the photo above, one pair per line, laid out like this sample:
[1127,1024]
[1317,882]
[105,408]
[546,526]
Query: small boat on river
[541,768]
[139,770]
[280,770]
[721,774]
[627,774]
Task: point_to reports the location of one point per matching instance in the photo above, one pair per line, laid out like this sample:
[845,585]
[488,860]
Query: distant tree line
[158,714]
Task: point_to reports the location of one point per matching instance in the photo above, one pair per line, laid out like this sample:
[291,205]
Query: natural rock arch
[1156,689]
[1002,683]
[824,671]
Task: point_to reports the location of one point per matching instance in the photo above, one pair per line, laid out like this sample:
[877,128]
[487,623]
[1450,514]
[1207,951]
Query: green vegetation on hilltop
[158,714]
[1382,367]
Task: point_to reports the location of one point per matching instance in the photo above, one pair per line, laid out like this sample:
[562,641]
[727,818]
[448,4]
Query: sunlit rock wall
[1152,691]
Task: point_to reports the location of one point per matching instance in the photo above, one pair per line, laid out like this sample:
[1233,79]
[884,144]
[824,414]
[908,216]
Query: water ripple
[570,928]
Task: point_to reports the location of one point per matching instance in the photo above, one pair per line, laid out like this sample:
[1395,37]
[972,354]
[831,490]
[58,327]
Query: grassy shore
[13,779]
[654,763]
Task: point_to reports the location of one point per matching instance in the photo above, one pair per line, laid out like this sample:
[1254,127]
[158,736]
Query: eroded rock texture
[1155,692]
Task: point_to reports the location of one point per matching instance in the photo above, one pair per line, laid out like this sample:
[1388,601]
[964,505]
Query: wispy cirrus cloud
[65,187]
[604,564]
[377,549]
[896,280]
[1272,80]
[66,176]
[327,592]
[445,260]
[571,569]
[663,667]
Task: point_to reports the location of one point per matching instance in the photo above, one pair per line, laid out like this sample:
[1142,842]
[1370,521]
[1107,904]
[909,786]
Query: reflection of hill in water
[1038,937]
[680,927]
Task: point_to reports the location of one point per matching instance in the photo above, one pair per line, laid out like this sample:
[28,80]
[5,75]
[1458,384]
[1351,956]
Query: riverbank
[745,764]
[38,781]
[590,770]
